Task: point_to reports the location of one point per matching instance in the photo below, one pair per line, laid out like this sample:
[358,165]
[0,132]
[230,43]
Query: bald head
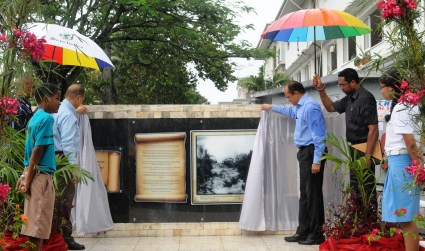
[75,90]
[26,84]
[75,95]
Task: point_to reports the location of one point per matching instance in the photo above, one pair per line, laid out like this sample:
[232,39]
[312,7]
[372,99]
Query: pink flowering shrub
[405,39]
[9,106]
[410,95]
[378,233]
[417,171]
[11,217]
[395,8]
[4,189]
[26,43]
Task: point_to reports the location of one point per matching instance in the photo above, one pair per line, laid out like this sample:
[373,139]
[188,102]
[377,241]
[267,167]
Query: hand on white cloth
[91,213]
[82,109]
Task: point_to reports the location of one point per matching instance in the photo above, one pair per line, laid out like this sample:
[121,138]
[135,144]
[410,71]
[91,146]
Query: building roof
[330,79]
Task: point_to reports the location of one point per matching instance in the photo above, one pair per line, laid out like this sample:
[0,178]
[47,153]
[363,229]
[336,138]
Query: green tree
[152,43]
[259,83]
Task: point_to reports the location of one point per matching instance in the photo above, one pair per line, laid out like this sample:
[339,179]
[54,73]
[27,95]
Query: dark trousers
[311,215]
[63,206]
[369,182]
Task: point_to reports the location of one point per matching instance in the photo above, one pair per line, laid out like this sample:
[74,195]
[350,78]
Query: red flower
[417,171]
[4,189]
[404,85]
[400,212]
[411,98]
[394,9]
[411,4]
[24,218]
[27,43]
[9,106]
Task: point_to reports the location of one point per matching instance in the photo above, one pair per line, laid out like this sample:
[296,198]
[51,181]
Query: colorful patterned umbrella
[315,25]
[299,26]
[66,46]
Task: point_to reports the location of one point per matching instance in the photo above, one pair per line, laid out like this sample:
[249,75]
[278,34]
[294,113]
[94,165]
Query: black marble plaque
[119,134]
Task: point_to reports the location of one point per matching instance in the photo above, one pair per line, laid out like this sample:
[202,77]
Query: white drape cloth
[272,188]
[91,212]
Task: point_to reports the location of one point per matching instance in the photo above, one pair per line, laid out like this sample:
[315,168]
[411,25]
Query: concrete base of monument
[181,229]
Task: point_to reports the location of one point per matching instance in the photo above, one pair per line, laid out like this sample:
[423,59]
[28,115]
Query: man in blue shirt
[309,137]
[66,135]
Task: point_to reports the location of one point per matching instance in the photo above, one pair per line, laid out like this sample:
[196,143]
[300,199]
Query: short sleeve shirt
[403,121]
[40,133]
[360,112]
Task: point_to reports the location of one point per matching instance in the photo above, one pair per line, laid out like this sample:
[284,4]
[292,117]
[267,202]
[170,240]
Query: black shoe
[312,241]
[72,245]
[294,238]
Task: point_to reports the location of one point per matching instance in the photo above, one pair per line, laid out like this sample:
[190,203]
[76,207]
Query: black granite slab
[118,134]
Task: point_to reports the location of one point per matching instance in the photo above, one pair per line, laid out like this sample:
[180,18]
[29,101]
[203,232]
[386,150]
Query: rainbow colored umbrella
[315,25]
[66,46]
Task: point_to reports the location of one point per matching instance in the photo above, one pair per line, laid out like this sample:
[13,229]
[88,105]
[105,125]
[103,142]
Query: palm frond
[69,173]
[12,144]
[350,161]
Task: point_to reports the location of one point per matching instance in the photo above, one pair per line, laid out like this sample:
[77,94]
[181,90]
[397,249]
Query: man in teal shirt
[309,137]
[40,164]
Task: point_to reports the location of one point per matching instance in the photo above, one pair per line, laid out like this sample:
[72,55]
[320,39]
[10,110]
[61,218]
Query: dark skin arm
[372,137]
[35,158]
[412,149]
[326,101]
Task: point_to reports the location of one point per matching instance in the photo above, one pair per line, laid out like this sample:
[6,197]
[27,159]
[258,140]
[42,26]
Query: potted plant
[366,58]
[362,59]
[357,61]
[352,223]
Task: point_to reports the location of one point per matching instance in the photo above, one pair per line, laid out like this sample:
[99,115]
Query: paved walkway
[194,243]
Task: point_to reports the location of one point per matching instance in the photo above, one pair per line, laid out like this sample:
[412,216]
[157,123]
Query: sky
[266,11]
[216,145]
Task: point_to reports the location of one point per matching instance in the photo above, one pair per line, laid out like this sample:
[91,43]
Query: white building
[297,59]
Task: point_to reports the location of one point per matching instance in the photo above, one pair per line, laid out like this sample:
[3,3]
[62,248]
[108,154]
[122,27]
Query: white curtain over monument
[272,188]
[91,212]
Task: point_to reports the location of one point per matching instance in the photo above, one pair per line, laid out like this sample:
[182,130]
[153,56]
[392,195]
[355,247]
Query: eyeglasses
[342,85]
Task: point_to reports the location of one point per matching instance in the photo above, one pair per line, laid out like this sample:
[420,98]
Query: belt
[303,147]
[38,171]
[396,152]
[43,172]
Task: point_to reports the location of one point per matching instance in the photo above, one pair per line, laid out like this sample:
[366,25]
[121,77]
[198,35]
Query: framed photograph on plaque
[219,165]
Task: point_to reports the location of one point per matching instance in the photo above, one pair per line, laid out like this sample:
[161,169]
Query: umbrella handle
[315,55]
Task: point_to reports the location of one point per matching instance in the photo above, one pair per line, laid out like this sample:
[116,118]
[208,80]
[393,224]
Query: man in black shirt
[25,112]
[361,118]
